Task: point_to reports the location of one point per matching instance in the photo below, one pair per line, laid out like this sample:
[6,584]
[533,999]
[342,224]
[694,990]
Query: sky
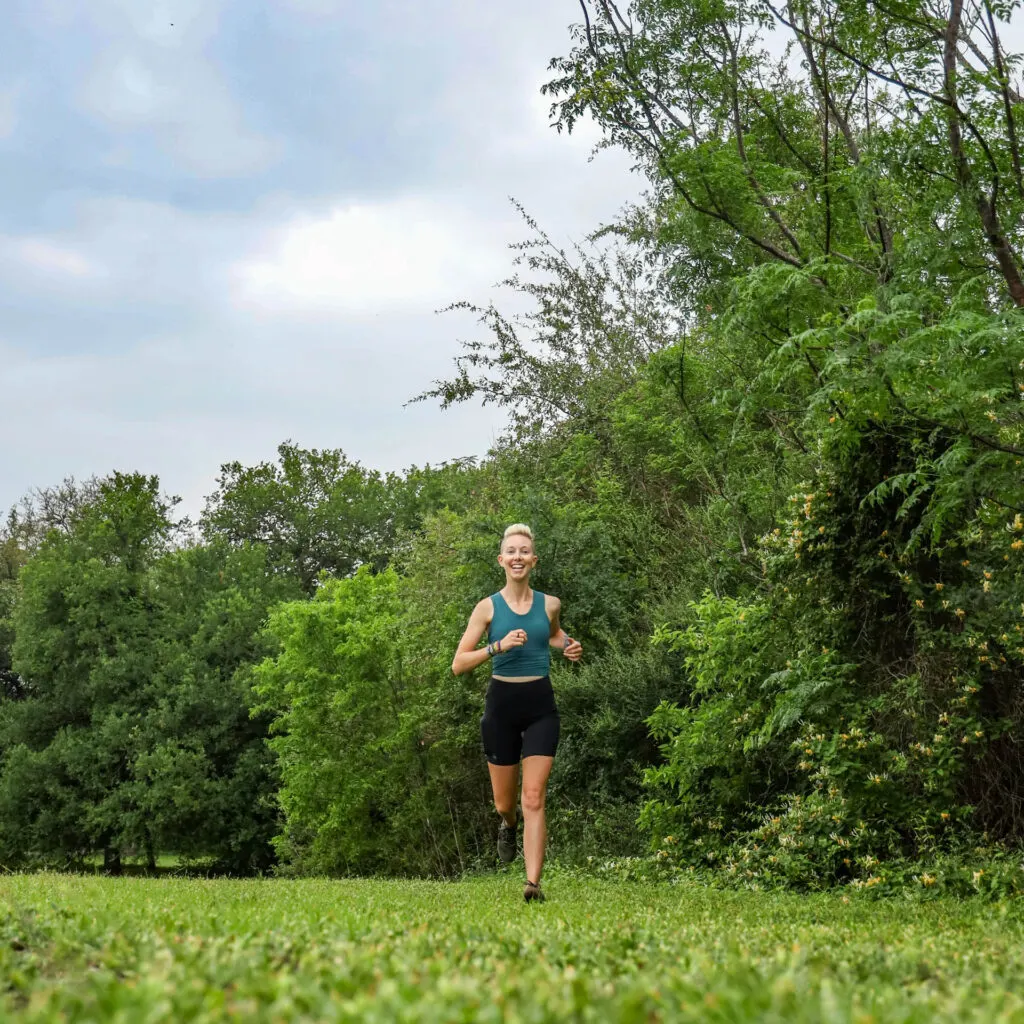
[228,223]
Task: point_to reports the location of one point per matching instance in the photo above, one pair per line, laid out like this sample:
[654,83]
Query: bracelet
[490,650]
[568,641]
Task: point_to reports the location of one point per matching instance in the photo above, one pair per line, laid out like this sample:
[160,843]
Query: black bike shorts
[520,720]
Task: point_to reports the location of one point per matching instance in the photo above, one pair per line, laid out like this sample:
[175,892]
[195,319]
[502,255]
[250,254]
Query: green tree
[85,646]
[313,511]
[133,732]
[345,736]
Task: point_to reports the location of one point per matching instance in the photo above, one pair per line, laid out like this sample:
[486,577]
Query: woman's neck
[516,590]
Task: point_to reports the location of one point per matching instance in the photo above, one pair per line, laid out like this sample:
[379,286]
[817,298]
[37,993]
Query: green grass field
[77,948]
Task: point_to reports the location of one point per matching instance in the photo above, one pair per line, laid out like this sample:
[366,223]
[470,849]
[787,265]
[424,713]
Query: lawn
[81,948]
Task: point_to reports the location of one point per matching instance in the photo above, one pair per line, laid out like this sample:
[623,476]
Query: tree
[133,731]
[314,512]
[85,646]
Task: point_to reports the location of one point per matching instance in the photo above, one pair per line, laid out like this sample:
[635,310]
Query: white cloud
[50,258]
[368,258]
[31,261]
[170,338]
[153,74]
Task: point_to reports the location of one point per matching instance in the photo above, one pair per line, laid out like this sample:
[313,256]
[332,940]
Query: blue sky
[224,223]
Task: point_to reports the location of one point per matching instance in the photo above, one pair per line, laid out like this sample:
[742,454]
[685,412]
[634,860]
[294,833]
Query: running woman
[520,717]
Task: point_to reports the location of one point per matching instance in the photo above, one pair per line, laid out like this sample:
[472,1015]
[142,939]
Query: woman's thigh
[540,737]
[504,784]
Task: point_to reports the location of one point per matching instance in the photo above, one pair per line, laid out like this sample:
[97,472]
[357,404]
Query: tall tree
[314,511]
[86,647]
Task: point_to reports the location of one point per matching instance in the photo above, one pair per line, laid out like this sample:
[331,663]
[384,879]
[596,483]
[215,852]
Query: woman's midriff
[517,679]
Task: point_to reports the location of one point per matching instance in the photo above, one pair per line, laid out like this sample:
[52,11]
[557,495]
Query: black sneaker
[532,893]
[507,842]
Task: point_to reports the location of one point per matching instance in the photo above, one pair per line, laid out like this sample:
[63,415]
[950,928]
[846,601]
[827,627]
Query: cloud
[225,230]
[153,74]
[48,258]
[367,257]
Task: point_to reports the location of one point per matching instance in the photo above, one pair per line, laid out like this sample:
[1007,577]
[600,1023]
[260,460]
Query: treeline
[769,430]
[272,684]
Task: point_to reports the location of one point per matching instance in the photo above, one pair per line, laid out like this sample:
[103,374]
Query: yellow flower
[919,603]
[987,574]
[939,586]
[927,879]
[1017,544]
[944,815]
[960,613]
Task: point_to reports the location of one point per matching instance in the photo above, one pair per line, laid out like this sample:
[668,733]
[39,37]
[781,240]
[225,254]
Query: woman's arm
[572,649]
[467,656]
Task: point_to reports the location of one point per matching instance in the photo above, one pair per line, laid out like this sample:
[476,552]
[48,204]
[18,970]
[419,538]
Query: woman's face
[517,557]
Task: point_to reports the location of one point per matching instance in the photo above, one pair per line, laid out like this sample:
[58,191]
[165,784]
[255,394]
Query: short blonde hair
[515,530]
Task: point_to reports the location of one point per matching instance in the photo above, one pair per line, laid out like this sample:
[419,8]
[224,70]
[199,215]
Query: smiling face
[517,557]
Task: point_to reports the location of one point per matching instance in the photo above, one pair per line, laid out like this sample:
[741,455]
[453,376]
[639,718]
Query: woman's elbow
[456,668]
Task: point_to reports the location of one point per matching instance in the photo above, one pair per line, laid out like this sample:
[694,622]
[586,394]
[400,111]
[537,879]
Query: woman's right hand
[514,639]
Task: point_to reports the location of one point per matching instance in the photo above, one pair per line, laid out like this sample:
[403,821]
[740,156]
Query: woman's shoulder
[485,607]
[551,603]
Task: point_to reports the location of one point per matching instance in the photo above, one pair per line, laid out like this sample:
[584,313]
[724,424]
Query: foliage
[132,731]
[317,512]
[342,728]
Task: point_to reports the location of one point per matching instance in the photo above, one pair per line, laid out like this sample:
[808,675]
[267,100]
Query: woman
[520,718]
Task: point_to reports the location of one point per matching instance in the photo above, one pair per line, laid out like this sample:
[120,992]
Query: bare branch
[1001,74]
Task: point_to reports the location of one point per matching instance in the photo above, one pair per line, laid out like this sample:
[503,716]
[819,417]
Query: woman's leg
[504,784]
[536,769]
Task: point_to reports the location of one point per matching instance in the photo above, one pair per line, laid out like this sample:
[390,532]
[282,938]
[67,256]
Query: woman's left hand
[573,650]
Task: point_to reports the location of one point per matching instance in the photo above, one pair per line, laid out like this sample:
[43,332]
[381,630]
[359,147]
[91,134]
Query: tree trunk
[111,860]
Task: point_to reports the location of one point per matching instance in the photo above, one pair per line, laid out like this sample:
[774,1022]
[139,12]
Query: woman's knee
[533,799]
[505,805]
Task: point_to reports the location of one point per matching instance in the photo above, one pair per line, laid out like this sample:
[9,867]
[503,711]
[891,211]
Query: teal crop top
[534,657]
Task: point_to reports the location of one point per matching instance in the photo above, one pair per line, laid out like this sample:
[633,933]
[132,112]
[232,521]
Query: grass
[79,948]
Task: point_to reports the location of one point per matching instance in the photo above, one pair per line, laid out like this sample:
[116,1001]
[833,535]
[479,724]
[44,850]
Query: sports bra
[534,657]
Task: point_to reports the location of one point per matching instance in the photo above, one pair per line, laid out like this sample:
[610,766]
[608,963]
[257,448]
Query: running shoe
[532,893]
[507,842]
